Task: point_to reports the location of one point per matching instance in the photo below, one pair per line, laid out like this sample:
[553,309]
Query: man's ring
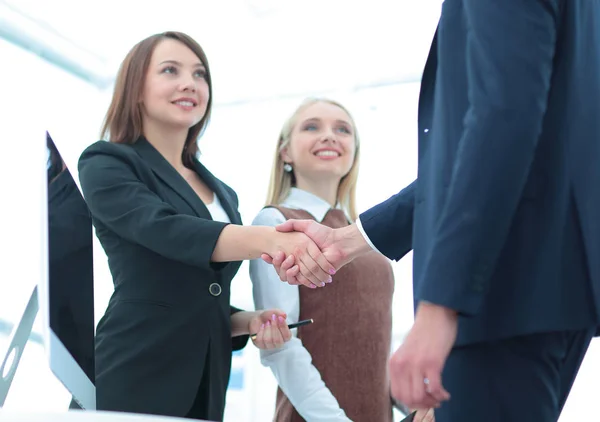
[426,382]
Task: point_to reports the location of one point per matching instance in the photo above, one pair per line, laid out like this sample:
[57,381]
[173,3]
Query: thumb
[267,258]
[294,226]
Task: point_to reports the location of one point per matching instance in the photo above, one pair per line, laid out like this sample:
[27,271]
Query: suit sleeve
[389,225]
[122,202]
[509,53]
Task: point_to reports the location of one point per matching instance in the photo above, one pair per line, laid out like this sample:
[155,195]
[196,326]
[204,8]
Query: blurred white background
[58,62]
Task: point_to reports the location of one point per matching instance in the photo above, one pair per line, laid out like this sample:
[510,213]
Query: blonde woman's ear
[285,157]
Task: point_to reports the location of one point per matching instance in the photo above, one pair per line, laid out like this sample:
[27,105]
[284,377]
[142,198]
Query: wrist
[276,241]
[240,322]
[351,242]
[427,310]
[268,240]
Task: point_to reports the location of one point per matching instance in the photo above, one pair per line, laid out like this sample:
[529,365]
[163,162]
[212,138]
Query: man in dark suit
[504,215]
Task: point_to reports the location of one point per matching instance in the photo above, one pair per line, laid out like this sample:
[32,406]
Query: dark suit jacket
[167,325]
[504,214]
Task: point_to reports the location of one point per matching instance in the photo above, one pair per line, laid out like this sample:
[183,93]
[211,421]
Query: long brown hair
[282,181]
[123,120]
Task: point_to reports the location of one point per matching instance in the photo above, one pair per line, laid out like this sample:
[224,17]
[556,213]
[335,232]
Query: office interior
[59,60]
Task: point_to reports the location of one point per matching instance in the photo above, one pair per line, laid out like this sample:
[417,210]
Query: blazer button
[214,289]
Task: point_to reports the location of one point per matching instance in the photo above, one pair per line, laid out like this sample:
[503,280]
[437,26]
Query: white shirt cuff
[364,234]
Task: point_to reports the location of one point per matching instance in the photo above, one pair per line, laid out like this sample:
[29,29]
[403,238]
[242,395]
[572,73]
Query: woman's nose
[328,136]
[188,84]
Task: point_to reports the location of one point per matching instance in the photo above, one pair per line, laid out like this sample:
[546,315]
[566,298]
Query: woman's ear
[285,156]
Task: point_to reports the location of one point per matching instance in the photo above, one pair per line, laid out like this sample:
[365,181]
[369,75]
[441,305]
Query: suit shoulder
[104,161]
[109,148]
[104,152]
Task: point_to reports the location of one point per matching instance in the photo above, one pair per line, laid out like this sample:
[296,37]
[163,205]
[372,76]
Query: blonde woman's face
[322,142]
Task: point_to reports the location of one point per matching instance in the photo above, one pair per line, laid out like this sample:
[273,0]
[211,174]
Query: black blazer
[504,214]
[167,325]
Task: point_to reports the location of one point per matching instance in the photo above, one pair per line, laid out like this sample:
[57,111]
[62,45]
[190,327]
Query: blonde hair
[281,181]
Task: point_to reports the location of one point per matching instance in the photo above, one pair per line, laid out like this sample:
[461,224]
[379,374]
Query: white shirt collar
[303,200]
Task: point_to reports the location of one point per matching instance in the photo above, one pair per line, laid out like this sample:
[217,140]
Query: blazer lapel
[165,171]
[217,187]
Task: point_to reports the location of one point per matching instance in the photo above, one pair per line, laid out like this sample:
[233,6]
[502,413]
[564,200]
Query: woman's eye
[169,69]
[310,127]
[200,74]
[344,130]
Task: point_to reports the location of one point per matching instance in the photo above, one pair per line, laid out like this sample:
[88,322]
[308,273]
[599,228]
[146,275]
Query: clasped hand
[306,253]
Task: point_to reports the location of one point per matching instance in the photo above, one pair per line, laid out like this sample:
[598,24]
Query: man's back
[506,202]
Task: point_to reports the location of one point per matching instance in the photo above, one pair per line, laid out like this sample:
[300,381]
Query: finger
[294,226]
[424,415]
[278,260]
[288,263]
[267,258]
[272,314]
[430,416]
[292,272]
[309,268]
[325,269]
[276,336]
[434,387]
[305,281]
[268,336]
[285,227]
[421,399]
[293,280]
[286,333]
[285,266]
[405,388]
[307,273]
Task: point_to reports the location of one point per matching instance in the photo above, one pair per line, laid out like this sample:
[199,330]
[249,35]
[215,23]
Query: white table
[82,416]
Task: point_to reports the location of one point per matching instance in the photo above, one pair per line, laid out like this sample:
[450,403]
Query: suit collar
[219,189]
[167,173]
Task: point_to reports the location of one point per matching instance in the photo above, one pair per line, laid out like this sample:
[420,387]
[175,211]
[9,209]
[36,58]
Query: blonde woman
[336,368]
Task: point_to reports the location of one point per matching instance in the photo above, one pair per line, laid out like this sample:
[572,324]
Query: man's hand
[339,246]
[314,269]
[416,367]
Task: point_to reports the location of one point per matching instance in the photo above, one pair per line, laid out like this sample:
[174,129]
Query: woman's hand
[270,328]
[313,269]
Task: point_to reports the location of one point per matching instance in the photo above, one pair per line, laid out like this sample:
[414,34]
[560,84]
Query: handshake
[308,253]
